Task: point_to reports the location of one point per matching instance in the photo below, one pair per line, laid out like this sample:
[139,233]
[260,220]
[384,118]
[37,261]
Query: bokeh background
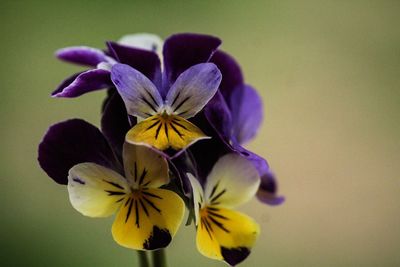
[329,74]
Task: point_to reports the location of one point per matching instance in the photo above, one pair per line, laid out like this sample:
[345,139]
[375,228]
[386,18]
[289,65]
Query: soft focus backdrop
[329,74]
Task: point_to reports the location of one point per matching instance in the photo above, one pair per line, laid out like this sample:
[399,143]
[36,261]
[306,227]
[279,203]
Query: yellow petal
[144,167]
[225,234]
[165,131]
[148,219]
[96,191]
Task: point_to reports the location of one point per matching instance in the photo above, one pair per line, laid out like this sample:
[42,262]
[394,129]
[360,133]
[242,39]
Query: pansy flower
[223,233]
[164,122]
[75,153]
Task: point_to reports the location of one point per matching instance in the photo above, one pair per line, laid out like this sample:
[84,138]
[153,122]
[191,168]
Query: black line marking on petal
[183,112]
[127,201]
[176,130]
[219,224]
[146,184]
[213,209]
[158,130]
[119,200]
[114,193]
[144,207]
[153,125]
[148,103]
[208,227]
[129,210]
[218,196]
[142,176]
[151,195]
[180,125]
[152,204]
[166,130]
[114,184]
[182,102]
[176,98]
[213,190]
[79,181]
[159,238]
[152,98]
[137,214]
[217,215]
[233,256]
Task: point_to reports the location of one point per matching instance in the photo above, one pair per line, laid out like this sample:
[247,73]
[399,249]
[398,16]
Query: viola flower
[223,233]
[165,123]
[147,216]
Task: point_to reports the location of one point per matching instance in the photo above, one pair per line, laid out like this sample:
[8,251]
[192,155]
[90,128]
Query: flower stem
[159,258]
[143,260]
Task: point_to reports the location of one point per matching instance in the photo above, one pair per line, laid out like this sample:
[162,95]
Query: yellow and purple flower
[223,233]
[75,153]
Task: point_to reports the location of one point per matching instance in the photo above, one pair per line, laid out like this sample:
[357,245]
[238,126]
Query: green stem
[143,260]
[159,258]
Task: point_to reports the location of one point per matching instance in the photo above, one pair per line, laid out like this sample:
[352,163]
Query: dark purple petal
[71,142]
[147,62]
[85,82]
[193,89]
[247,113]
[219,116]
[114,121]
[182,51]
[268,189]
[231,73]
[82,55]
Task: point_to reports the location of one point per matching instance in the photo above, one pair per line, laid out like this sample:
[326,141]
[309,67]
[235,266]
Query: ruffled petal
[146,62]
[226,235]
[96,191]
[232,181]
[85,82]
[146,41]
[114,121]
[193,89]
[247,113]
[182,51]
[82,55]
[71,142]
[149,219]
[140,95]
[163,132]
[144,167]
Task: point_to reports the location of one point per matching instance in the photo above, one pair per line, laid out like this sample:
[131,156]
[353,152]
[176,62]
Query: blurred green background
[329,74]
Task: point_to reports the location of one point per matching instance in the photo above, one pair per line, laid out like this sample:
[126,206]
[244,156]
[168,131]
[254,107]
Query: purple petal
[66,83]
[71,142]
[85,82]
[267,191]
[219,116]
[182,51]
[247,113]
[140,95]
[231,73]
[193,89]
[82,55]
[115,122]
[147,62]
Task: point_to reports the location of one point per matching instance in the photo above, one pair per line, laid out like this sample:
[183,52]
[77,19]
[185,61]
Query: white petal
[96,191]
[198,196]
[232,181]
[146,41]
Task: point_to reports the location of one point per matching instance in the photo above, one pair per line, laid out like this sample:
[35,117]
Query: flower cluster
[173,124]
